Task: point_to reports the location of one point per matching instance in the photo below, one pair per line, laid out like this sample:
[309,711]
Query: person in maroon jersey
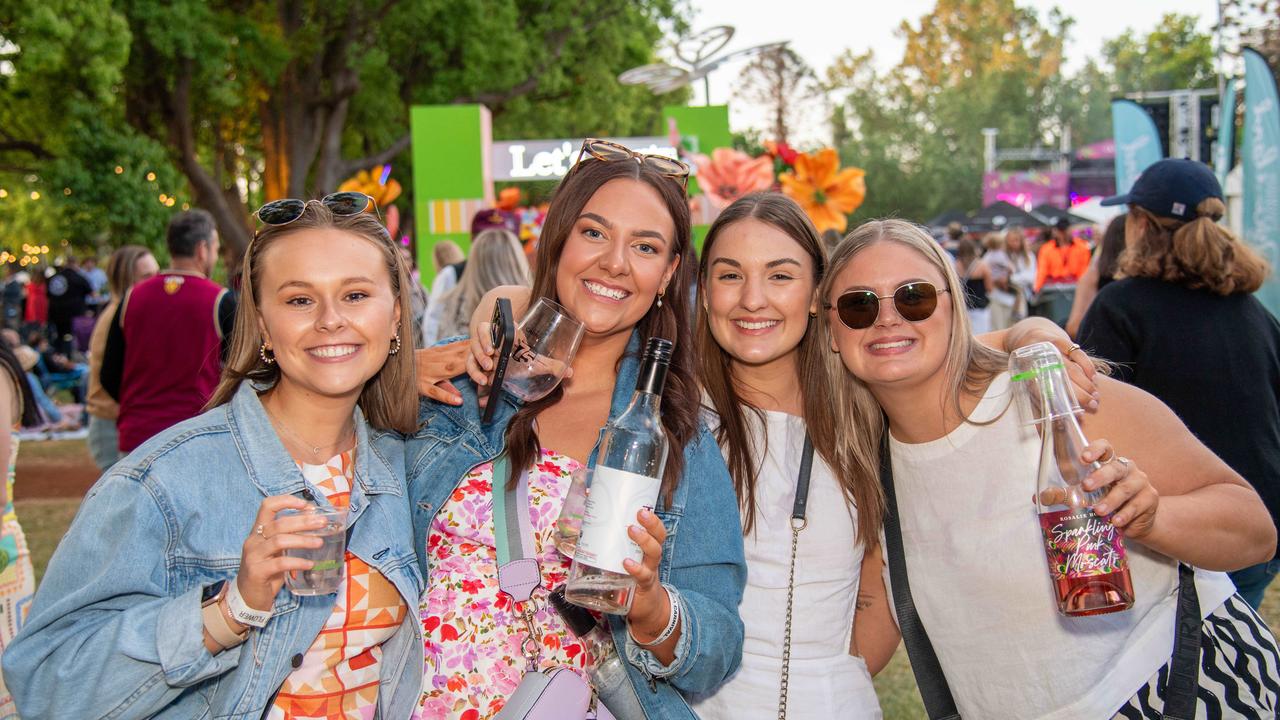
[168,339]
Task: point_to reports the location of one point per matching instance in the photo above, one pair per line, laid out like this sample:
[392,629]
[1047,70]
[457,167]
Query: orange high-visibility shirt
[1063,265]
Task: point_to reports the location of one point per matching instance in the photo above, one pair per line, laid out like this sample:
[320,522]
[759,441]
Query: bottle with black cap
[627,477]
[608,670]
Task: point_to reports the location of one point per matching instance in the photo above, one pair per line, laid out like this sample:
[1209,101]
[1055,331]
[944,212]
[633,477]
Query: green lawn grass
[44,522]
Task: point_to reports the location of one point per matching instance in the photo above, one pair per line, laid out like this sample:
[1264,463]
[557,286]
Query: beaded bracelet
[673,621]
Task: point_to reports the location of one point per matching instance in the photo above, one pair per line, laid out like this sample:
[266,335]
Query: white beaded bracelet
[672,621]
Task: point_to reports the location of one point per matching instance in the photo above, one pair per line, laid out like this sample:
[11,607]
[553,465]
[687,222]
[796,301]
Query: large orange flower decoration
[376,183]
[729,174]
[827,193]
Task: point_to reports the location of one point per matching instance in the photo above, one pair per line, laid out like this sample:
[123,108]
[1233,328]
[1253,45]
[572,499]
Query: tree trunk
[227,209]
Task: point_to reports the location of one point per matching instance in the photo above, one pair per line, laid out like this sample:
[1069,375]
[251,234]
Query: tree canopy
[231,102]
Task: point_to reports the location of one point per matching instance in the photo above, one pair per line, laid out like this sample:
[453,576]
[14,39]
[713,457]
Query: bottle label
[1080,544]
[612,503]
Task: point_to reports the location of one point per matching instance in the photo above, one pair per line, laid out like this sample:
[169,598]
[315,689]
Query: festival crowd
[840,416]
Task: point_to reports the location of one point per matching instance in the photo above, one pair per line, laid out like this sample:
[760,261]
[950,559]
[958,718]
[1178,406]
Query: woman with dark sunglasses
[165,599]
[763,373]
[964,472]
[616,252]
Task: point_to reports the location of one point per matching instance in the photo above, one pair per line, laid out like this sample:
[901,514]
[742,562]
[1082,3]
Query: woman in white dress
[766,374]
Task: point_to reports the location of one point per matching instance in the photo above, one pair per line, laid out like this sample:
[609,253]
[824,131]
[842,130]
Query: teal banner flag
[1137,142]
[1261,160]
[1226,132]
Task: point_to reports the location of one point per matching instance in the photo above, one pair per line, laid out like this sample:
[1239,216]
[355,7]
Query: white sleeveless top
[981,585]
[825,681]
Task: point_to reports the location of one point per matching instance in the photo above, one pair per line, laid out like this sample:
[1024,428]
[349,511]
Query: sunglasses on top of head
[606,151]
[343,204]
[914,301]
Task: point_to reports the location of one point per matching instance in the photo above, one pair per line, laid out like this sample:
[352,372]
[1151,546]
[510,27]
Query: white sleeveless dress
[825,681]
[980,581]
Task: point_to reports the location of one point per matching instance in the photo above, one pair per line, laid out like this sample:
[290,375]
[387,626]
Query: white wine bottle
[627,477]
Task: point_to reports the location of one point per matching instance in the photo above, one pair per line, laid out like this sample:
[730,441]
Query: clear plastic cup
[325,577]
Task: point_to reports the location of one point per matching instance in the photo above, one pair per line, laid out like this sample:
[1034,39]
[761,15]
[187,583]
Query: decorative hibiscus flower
[782,152]
[827,193]
[729,174]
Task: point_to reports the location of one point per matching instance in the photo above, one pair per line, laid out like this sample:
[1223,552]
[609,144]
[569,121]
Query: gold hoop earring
[262,353]
[395,349]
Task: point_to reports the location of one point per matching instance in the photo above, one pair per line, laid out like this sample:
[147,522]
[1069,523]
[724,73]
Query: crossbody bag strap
[1184,667]
[798,523]
[934,690]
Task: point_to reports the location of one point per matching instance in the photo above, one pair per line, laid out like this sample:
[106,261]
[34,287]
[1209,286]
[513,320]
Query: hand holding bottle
[649,609]
[1131,500]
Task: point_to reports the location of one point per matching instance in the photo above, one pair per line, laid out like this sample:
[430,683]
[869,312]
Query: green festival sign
[456,162]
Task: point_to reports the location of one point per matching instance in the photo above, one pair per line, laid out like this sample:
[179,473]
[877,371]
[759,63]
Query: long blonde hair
[390,398]
[496,259]
[969,365]
[1198,253]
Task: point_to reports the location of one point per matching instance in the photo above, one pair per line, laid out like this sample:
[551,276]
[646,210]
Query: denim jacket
[702,556]
[115,630]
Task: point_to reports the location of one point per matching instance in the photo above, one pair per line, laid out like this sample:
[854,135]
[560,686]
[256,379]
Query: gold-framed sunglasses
[914,301]
[345,204]
[606,151]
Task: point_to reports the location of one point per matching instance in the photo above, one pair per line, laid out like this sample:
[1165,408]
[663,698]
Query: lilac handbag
[552,694]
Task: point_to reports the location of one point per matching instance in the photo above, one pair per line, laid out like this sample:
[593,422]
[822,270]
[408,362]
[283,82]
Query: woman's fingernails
[636,531]
[646,514]
[1100,508]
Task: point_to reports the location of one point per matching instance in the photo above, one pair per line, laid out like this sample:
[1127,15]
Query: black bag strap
[934,690]
[1184,667]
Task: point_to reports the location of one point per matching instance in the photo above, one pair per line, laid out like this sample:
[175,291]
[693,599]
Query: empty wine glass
[546,339]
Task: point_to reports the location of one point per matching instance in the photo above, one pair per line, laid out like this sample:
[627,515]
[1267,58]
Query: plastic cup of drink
[569,525]
[325,577]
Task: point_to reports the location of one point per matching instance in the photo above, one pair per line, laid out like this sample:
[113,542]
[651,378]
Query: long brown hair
[671,321]
[122,269]
[389,399]
[1198,253]
[860,489]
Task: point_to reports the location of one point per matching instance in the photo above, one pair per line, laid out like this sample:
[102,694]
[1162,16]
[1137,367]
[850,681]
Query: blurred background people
[497,258]
[1102,270]
[69,292]
[975,277]
[167,339]
[1059,265]
[128,266]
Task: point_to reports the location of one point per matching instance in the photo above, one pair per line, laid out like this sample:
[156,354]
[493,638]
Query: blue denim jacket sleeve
[102,621]
[708,569]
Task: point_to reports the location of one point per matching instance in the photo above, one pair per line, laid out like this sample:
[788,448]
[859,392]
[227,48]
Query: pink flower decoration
[729,174]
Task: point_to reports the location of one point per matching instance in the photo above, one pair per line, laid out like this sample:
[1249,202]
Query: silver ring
[261,534]
[1122,460]
[1072,348]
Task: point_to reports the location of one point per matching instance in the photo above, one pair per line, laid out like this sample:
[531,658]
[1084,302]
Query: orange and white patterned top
[338,677]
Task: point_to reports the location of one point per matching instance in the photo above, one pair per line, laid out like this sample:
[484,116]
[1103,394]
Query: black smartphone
[502,334]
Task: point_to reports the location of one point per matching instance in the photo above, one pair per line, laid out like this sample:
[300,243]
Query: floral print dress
[471,630]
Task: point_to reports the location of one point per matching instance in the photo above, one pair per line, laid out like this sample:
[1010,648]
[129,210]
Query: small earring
[660,294]
[395,349]
[262,353]
[813,314]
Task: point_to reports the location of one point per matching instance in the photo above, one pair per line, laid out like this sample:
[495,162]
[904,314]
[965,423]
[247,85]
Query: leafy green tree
[1173,56]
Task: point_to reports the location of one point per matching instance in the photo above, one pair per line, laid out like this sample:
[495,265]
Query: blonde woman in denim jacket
[142,612]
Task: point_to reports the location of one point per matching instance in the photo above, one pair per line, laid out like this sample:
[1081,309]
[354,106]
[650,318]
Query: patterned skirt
[17,586]
[1239,670]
